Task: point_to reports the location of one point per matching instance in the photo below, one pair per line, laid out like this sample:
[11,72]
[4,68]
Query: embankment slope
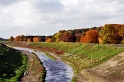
[91,62]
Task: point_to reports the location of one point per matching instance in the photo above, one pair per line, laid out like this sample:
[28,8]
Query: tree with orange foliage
[82,36]
[29,40]
[48,39]
[17,38]
[90,37]
[20,38]
[37,39]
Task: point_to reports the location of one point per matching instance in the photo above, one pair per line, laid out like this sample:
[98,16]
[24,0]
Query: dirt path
[35,72]
[110,71]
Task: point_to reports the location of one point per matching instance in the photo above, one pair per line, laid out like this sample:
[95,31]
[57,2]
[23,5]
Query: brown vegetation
[90,37]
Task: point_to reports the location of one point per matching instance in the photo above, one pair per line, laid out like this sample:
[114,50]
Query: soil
[35,72]
[109,71]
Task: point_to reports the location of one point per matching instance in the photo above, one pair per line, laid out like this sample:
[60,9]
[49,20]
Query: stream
[57,71]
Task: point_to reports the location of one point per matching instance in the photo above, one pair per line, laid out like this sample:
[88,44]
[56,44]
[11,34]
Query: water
[57,71]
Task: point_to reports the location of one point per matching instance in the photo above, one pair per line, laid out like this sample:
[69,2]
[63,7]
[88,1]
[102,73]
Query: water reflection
[57,71]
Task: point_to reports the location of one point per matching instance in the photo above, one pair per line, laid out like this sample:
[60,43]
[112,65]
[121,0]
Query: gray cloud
[7,2]
[45,17]
[49,6]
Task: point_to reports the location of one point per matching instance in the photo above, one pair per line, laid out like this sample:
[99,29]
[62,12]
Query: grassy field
[79,55]
[12,64]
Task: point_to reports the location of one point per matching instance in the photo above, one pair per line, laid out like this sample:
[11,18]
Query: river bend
[57,71]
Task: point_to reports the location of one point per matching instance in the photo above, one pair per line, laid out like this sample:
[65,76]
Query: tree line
[2,39]
[107,34]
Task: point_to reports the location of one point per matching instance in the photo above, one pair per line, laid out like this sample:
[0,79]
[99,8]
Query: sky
[46,17]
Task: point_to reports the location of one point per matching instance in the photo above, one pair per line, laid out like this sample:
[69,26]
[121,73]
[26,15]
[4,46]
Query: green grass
[12,64]
[81,56]
[50,56]
[1,41]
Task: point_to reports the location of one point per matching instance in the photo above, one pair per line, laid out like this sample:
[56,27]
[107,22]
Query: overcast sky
[46,17]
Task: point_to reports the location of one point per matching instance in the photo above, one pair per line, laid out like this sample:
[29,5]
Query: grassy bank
[12,64]
[78,55]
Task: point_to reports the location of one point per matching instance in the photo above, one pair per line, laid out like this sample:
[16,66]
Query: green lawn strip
[50,56]
[91,56]
[12,64]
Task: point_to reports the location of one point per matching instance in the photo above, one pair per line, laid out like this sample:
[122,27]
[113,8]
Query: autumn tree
[17,38]
[23,38]
[109,35]
[11,38]
[77,34]
[53,38]
[57,36]
[121,32]
[20,38]
[77,37]
[49,39]
[90,37]
[67,37]
[37,39]
[29,40]
[82,37]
